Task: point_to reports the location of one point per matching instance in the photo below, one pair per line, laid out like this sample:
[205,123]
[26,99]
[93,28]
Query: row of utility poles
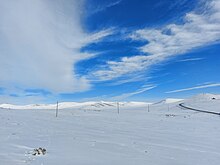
[118,108]
[148,107]
[57,108]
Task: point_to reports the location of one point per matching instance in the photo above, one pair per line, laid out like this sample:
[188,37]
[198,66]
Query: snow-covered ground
[93,133]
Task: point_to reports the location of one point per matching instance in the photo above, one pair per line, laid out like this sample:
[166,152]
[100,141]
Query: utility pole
[57,109]
[118,107]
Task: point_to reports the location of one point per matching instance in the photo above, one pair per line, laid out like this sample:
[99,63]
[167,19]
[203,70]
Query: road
[198,110]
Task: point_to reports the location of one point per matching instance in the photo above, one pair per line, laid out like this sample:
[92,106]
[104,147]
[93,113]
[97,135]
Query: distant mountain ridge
[80,105]
[107,104]
[169,101]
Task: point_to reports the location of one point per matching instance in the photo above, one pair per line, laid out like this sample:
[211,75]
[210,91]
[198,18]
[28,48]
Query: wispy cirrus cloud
[101,8]
[127,65]
[191,59]
[199,29]
[123,96]
[195,87]
[40,43]
[139,91]
[134,78]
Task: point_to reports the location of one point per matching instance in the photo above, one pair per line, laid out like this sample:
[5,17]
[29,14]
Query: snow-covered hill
[69,105]
[209,102]
[204,97]
[168,101]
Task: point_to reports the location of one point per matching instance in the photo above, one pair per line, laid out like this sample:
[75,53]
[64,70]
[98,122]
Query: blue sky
[115,50]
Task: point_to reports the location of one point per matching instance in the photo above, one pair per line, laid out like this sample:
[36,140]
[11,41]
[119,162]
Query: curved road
[198,110]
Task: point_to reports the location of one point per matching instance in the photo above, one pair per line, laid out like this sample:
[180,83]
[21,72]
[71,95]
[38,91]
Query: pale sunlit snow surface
[93,133]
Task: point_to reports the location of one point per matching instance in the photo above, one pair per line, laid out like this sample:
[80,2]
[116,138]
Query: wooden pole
[57,109]
[118,107]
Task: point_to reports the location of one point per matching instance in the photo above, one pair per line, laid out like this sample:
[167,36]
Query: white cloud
[40,42]
[134,78]
[23,100]
[139,91]
[191,59]
[104,7]
[127,65]
[196,87]
[198,30]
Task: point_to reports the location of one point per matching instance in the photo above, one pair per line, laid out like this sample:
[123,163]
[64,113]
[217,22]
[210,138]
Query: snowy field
[93,133]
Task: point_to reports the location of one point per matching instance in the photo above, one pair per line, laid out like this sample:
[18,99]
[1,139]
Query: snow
[205,101]
[68,105]
[169,101]
[93,133]
[204,97]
